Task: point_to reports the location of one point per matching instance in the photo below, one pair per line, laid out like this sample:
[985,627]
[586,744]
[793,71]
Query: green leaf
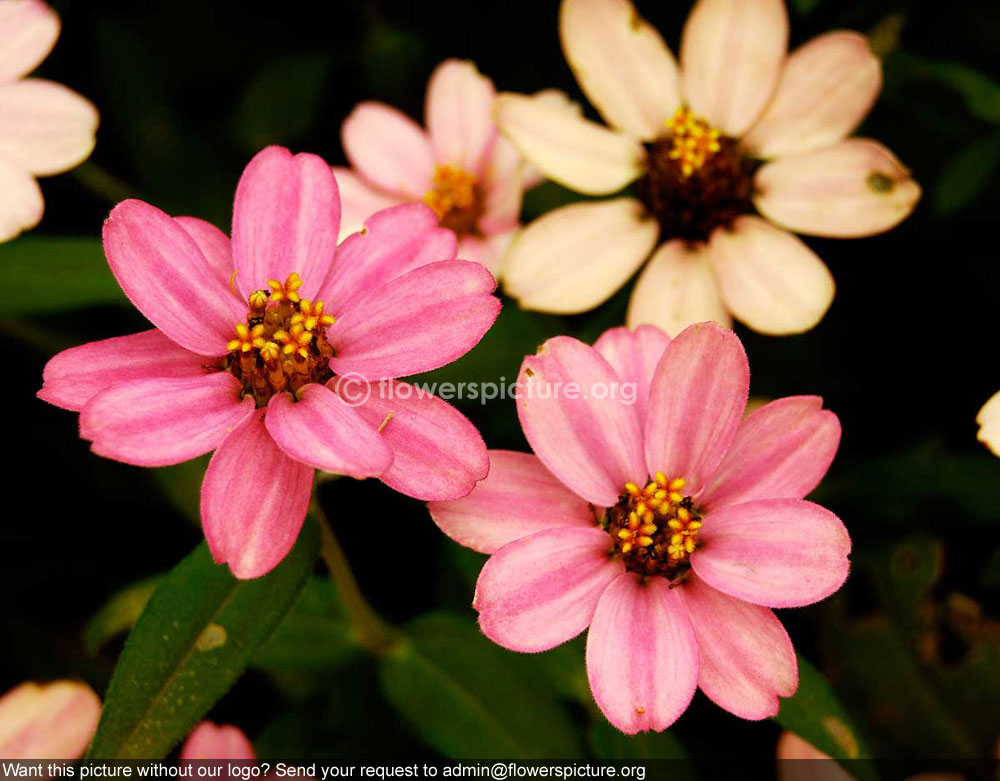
[967,175]
[980,92]
[52,274]
[118,614]
[192,642]
[609,743]
[446,673]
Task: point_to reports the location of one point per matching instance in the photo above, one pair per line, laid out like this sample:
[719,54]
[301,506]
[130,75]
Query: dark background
[188,91]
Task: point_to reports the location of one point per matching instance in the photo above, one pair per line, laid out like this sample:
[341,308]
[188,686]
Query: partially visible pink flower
[989,424]
[670,527]
[254,339]
[471,178]
[800,760]
[730,152]
[48,721]
[45,128]
[217,741]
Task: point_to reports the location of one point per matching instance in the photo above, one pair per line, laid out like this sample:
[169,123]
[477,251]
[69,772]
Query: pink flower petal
[542,590]
[420,321]
[482,251]
[622,64]
[988,421]
[747,658]
[503,196]
[519,497]
[48,721]
[696,402]
[575,257]
[21,204]
[781,450]
[459,115]
[253,501]
[165,274]
[358,201]
[158,421]
[74,376]
[769,279]
[439,454]
[856,188]
[388,149]
[394,241]
[320,429]
[791,746]
[677,289]
[731,56]
[827,87]
[634,356]
[579,154]
[773,552]
[45,127]
[217,741]
[573,415]
[29,31]
[214,245]
[286,218]
[642,657]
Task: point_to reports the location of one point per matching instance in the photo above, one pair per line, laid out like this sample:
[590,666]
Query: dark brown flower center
[457,198]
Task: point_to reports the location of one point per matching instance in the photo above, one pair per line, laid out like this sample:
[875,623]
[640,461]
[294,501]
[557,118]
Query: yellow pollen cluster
[648,506]
[694,140]
[454,197]
[684,529]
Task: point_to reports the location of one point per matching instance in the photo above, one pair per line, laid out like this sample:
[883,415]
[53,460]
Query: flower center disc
[283,345]
[456,198]
[696,179]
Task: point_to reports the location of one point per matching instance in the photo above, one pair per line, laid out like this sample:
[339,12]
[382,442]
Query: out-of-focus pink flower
[254,339]
[670,526]
[217,741]
[989,424]
[459,167]
[730,152]
[45,128]
[48,721]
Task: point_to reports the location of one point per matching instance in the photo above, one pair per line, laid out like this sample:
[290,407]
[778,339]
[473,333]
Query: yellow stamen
[694,140]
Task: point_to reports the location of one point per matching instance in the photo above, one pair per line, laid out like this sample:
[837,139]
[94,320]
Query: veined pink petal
[519,497]
[769,279]
[438,453]
[773,552]
[988,420]
[394,241]
[157,421]
[696,402]
[747,658]
[29,30]
[642,657]
[634,356]
[45,127]
[503,196]
[388,149]
[358,201]
[217,741]
[165,274]
[542,590]
[215,246]
[286,218]
[855,188]
[574,258]
[21,204]
[253,501]
[731,56]
[320,429]
[48,721]
[417,322]
[575,419]
[74,376]
[827,87]
[459,115]
[622,64]
[781,450]
[579,154]
[677,289]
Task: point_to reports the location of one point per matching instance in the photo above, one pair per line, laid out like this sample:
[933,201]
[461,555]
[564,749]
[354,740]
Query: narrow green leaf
[980,92]
[446,673]
[118,614]
[609,743]
[52,274]
[192,642]
[967,175]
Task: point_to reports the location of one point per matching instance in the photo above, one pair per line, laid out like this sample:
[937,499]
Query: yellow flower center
[456,199]
[282,345]
[694,140]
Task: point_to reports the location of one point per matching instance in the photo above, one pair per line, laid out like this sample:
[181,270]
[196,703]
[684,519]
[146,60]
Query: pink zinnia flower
[217,741]
[729,153]
[459,167]
[48,721]
[45,128]
[669,526]
[252,340]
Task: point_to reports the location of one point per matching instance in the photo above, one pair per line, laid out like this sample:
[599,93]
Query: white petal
[21,203]
[989,423]
[28,31]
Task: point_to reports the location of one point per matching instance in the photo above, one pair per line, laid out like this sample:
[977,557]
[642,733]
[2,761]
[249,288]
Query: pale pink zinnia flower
[669,526]
[459,167]
[45,128]
[989,424]
[217,741]
[728,154]
[48,721]
[251,343]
